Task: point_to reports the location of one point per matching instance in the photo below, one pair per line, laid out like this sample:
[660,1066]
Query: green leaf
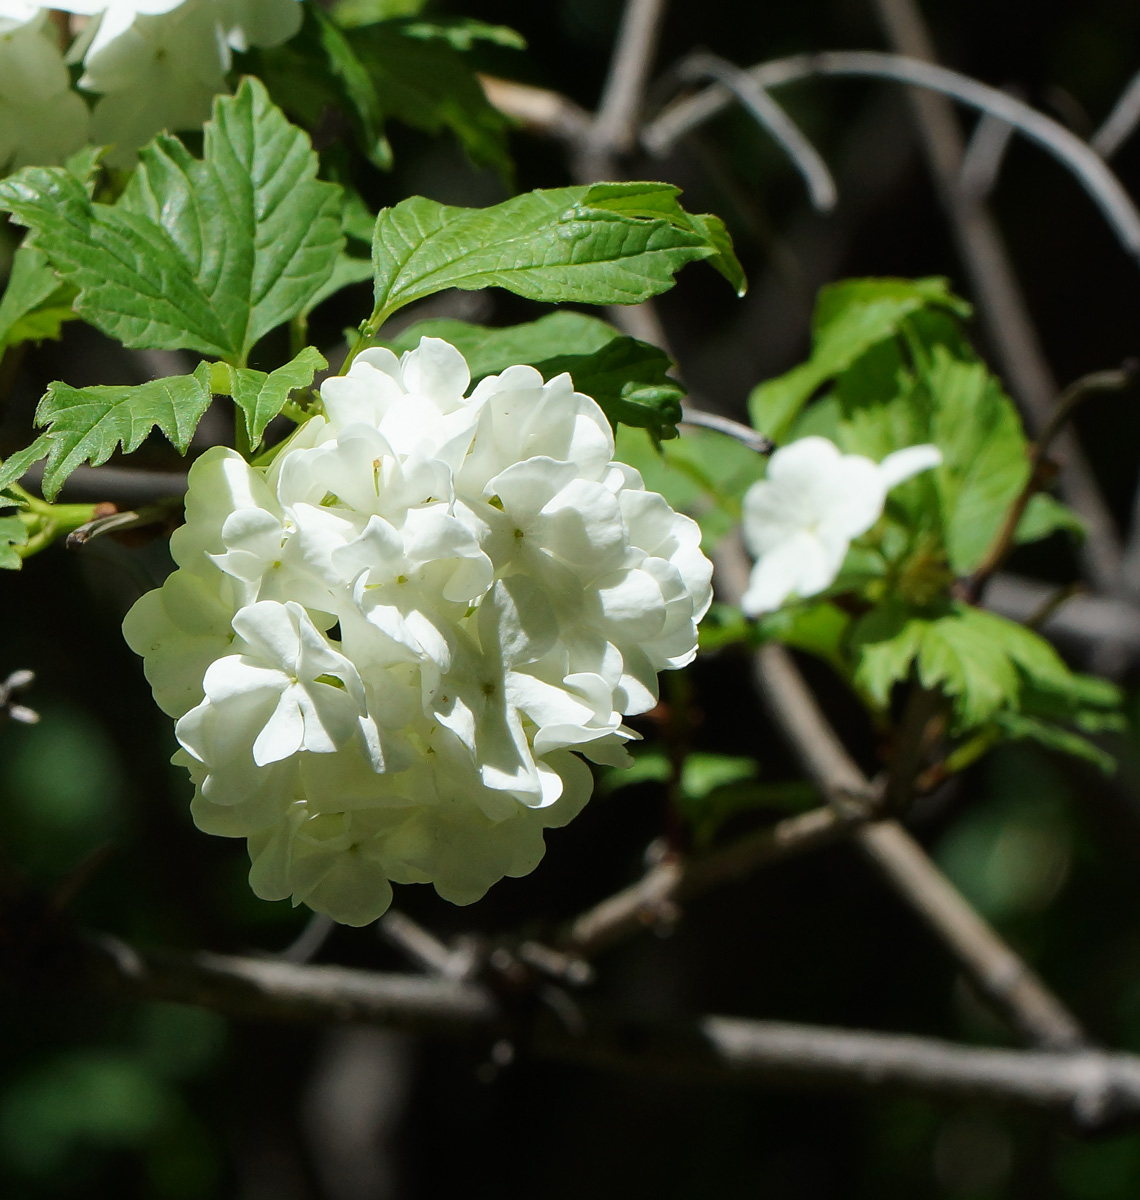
[16,464]
[629,380]
[1018,727]
[885,643]
[603,244]
[960,658]
[13,533]
[88,424]
[205,255]
[850,318]
[819,629]
[359,89]
[1045,515]
[261,396]
[985,463]
[427,83]
[349,13]
[702,773]
[648,766]
[490,350]
[35,304]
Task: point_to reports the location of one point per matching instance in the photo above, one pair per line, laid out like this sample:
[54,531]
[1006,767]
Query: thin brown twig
[674,882]
[614,128]
[771,117]
[1040,469]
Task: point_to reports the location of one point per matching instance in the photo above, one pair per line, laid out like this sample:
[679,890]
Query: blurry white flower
[41,119]
[388,649]
[800,519]
[156,64]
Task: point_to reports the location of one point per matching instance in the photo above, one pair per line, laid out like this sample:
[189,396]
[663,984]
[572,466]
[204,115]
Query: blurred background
[99,1098]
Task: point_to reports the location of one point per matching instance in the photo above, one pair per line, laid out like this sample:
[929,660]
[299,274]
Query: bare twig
[424,948]
[1121,123]
[1082,620]
[1087,167]
[1089,1089]
[983,156]
[734,429]
[675,882]
[1073,396]
[538,110]
[1000,974]
[1002,303]
[770,116]
[614,128]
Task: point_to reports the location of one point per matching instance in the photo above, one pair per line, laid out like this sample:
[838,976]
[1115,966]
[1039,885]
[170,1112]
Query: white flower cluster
[156,64]
[800,520]
[41,119]
[384,649]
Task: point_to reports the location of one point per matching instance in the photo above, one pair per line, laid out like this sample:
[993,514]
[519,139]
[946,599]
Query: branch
[770,116]
[1001,301]
[734,429]
[538,110]
[1088,620]
[1073,396]
[654,898]
[1089,1089]
[1088,168]
[615,125]
[1120,124]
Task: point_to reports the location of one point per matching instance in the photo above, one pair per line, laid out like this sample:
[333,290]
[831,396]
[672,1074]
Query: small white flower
[801,519]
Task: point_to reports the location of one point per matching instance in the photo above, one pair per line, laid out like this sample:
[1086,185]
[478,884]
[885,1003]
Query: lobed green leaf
[205,255]
[86,425]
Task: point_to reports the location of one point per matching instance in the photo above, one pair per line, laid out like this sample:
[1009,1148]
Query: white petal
[902,464]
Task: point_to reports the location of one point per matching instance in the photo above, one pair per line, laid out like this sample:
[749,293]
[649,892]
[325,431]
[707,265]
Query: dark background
[103,1099]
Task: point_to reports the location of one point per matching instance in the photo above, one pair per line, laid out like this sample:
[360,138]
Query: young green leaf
[602,244]
[850,318]
[985,462]
[958,657]
[207,254]
[262,396]
[88,424]
[35,303]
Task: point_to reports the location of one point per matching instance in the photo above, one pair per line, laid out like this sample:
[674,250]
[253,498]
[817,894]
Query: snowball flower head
[389,652]
[800,520]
